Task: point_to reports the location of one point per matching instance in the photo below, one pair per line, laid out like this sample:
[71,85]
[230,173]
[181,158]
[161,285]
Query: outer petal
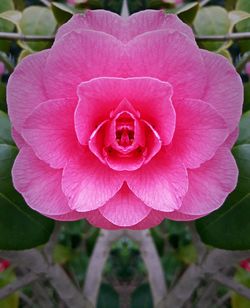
[151,97]
[124,29]
[151,20]
[39,184]
[231,139]
[19,141]
[200,130]
[224,90]
[50,132]
[98,20]
[124,209]
[153,219]
[161,183]
[168,56]
[25,88]
[79,57]
[88,183]
[210,184]
[70,216]
[178,216]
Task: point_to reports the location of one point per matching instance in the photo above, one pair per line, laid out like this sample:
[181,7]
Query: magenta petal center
[124,141]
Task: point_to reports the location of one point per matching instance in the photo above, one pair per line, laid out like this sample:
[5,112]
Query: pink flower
[125,122]
[4,264]
[2,68]
[245,264]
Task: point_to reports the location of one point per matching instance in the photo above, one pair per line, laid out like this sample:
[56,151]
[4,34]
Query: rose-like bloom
[125,122]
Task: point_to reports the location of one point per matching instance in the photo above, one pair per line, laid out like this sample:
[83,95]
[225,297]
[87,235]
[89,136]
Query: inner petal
[125,142]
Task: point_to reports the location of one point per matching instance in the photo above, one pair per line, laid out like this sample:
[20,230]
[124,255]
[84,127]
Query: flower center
[125,131]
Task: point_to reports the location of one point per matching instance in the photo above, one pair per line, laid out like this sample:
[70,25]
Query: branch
[227,37]
[152,261]
[34,261]
[233,285]
[17,284]
[97,262]
[216,260]
[27,38]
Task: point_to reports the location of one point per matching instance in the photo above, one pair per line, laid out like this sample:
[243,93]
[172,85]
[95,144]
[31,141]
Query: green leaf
[188,12]
[20,226]
[225,53]
[24,53]
[3,105]
[229,226]
[236,17]
[6,26]
[246,105]
[37,20]
[244,136]
[142,297]
[212,20]
[159,4]
[108,297]
[12,16]
[5,129]
[243,26]
[61,12]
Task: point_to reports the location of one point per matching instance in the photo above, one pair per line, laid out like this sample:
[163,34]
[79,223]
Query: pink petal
[98,20]
[88,183]
[96,219]
[200,130]
[223,89]
[232,138]
[39,184]
[161,183]
[121,28]
[177,216]
[77,58]
[19,141]
[70,216]
[25,88]
[50,132]
[151,20]
[210,184]
[171,57]
[98,97]
[124,209]
[153,219]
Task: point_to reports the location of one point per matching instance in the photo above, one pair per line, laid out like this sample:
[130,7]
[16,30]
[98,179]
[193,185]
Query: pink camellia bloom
[125,122]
